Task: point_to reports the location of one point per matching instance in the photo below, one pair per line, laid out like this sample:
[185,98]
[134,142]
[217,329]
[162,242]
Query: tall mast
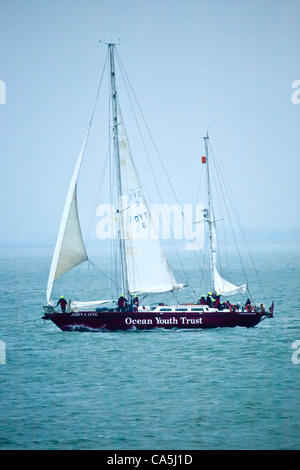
[210,217]
[111,48]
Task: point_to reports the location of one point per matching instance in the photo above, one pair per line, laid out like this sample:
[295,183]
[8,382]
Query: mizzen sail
[221,285]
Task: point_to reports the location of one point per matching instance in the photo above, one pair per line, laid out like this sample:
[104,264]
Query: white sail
[147,268]
[221,285]
[225,287]
[69,249]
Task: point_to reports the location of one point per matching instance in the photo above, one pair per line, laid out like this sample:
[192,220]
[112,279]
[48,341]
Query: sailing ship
[143,264]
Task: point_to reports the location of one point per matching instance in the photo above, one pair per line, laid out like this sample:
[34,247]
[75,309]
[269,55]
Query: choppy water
[208,389]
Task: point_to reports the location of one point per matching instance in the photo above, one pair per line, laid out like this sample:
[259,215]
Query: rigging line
[230,197]
[123,73]
[216,189]
[149,132]
[97,95]
[95,266]
[97,197]
[219,174]
[96,99]
[199,184]
[218,193]
[203,262]
[241,231]
[220,254]
[228,214]
[205,235]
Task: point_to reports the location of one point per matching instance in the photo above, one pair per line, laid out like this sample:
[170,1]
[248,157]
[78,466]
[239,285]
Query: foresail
[69,249]
[147,268]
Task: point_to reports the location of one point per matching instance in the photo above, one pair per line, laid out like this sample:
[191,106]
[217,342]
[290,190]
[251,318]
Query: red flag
[203,159]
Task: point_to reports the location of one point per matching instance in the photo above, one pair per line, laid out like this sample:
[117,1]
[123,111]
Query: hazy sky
[227,65]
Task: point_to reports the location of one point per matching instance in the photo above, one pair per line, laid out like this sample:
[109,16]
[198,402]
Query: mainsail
[69,249]
[147,268]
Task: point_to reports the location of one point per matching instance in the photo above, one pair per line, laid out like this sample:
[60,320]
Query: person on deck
[248,305]
[122,303]
[208,301]
[63,303]
[201,300]
[136,303]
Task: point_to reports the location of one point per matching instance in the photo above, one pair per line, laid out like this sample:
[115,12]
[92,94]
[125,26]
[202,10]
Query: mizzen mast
[209,217]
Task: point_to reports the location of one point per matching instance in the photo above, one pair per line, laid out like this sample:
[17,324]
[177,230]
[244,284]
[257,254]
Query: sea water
[224,388]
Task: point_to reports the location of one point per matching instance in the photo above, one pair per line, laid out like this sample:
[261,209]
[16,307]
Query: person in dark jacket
[208,301]
[122,304]
[218,301]
[63,303]
[136,303]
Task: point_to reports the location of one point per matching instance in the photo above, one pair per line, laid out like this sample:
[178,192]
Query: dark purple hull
[112,321]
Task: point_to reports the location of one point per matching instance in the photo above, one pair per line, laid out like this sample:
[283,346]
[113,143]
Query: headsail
[147,268]
[69,249]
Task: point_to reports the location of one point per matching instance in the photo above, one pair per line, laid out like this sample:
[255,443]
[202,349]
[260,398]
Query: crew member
[135,303]
[248,305]
[63,303]
[208,300]
[201,300]
[122,303]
